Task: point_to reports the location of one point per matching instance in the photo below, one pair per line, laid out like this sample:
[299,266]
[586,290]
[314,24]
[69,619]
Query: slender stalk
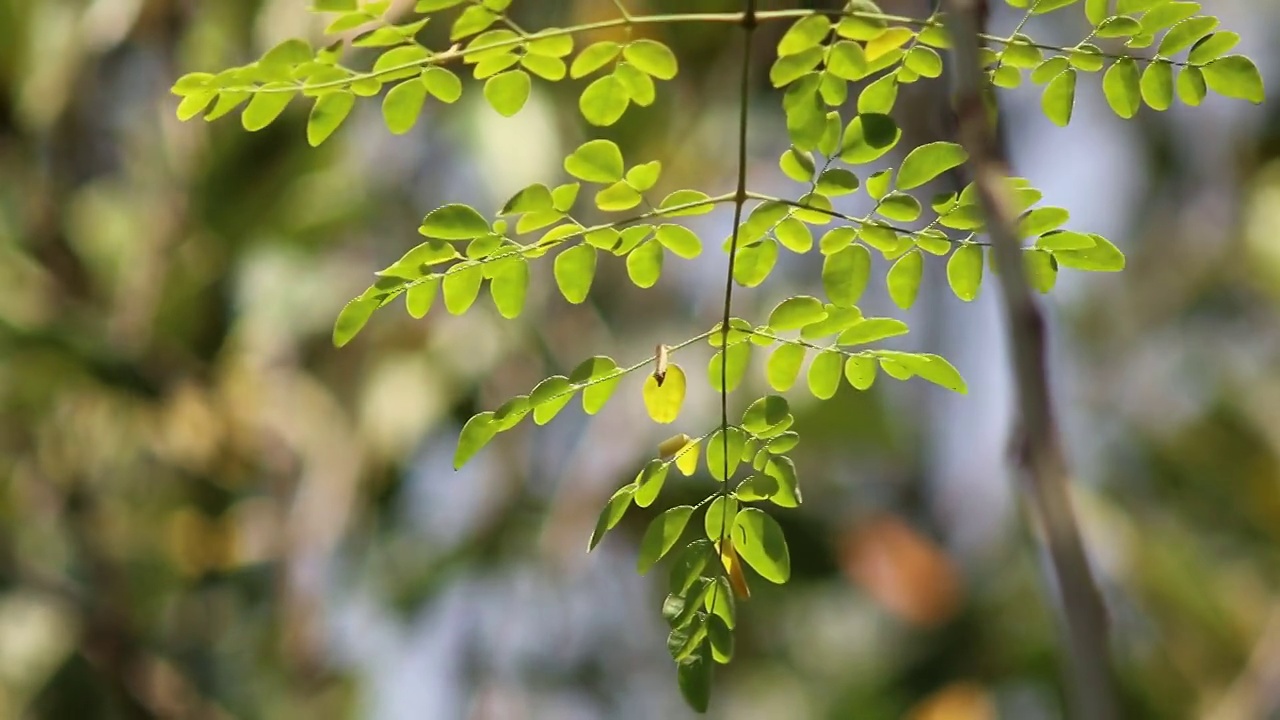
[740,200]
[1041,463]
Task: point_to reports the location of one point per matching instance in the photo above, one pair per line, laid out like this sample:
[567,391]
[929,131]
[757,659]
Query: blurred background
[206,511]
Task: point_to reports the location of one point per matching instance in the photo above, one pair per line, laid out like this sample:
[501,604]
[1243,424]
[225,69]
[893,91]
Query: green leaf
[805,34]
[964,272]
[824,374]
[860,372]
[755,262]
[1087,57]
[1120,26]
[639,86]
[593,57]
[1121,85]
[327,114]
[688,565]
[1049,69]
[687,458]
[924,61]
[757,487]
[695,202]
[783,367]
[612,514]
[739,357]
[575,268]
[419,298]
[1042,271]
[1022,54]
[845,275]
[868,137]
[442,84]
[662,535]
[1212,47]
[507,92]
[765,414]
[837,181]
[847,61]
[693,675]
[509,287]
[1235,76]
[1102,257]
[796,312]
[837,239]
[837,321]
[787,69]
[783,471]
[794,235]
[899,206]
[644,177]
[870,330]
[679,240]
[649,482]
[618,197]
[644,264]
[604,101]
[1065,240]
[718,631]
[759,541]
[477,433]
[716,453]
[461,287]
[1185,34]
[472,20]
[1042,220]
[1157,85]
[797,165]
[720,513]
[549,397]
[929,367]
[597,161]
[600,377]
[402,105]
[663,401]
[928,162]
[265,107]
[547,68]
[1059,98]
[652,57]
[454,222]
[904,279]
[353,318]
[879,97]
[1191,86]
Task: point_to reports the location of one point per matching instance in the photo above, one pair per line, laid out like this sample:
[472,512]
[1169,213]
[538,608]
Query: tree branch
[1041,464]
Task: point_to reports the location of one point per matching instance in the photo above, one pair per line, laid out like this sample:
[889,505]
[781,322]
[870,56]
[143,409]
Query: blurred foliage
[207,512]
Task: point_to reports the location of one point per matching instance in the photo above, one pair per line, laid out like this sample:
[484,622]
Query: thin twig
[739,201]
[1041,463]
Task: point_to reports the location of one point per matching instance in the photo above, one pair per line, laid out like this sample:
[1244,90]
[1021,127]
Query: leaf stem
[849,218]
[749,23]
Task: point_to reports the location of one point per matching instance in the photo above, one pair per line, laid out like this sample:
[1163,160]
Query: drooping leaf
[783,367]
[1235,76]
[845,275]
[1059,98]
[1121,85]
[327,114]
[604,101]
[612,514]
[662,535]
[477,433]
[860,372]
[507,92]
[904,279]
[964,272]
[759,541]
[1157,85]
[663,401]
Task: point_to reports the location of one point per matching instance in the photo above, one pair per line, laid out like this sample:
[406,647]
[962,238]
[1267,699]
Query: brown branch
[1041,464]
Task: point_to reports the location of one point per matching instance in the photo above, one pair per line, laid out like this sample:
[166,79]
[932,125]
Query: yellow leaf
[663,401]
